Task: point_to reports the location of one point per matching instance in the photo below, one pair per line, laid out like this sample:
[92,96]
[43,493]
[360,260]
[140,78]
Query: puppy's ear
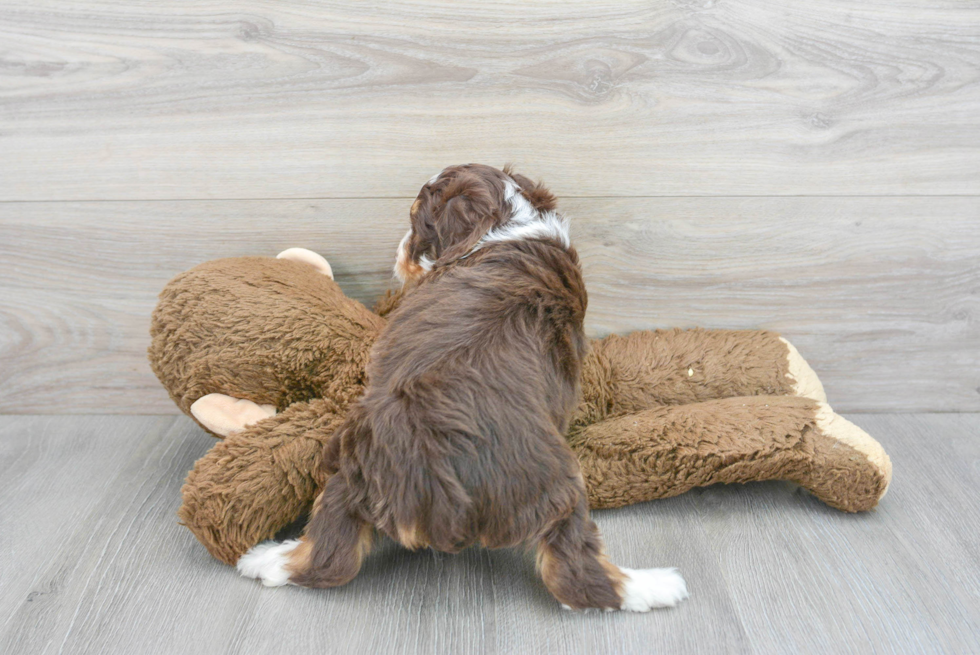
[464,215]
[542,199]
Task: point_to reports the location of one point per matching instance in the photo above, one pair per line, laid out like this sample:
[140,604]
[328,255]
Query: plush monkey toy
[269,353]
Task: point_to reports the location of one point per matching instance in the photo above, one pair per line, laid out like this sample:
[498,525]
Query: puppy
[458,438]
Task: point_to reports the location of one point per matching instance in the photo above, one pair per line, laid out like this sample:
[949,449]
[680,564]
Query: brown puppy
[458,440]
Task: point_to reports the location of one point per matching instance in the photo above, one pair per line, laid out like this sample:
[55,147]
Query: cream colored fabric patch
[805,380]
[305,256]
[837,427]
[225,415]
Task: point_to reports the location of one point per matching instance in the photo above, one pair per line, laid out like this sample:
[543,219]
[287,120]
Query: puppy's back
[469,393]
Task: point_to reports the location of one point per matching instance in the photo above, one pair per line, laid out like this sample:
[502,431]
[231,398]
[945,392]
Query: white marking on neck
[521,210]
[526,222]
[546,225]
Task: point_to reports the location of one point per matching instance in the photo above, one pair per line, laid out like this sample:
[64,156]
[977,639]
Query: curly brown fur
[628,432]
[471,387]
[456,209]
[278,332]
[458,438]
[242,327]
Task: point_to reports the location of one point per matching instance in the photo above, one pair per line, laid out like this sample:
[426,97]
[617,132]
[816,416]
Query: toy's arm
[663,452]
[646,369]
[259,480]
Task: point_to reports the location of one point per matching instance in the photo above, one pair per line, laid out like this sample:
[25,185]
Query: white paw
[646,589]
[305,256]
[267,562]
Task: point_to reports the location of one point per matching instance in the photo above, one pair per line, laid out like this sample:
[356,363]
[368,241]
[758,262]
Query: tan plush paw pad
[305,256]
[836,426]
[225,415]
[850,470]
[803,378]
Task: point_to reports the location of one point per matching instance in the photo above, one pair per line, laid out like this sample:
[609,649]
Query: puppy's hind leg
[329,553]
[577,573]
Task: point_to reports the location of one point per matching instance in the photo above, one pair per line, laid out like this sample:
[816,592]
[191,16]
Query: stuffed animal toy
[269,353]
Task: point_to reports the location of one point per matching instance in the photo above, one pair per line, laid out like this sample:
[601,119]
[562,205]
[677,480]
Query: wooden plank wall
[807,166]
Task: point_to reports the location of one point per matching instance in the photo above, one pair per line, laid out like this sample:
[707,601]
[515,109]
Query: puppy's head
[457,207]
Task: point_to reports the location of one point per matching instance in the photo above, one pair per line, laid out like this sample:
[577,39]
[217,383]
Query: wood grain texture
[55,472]
[808,581]
[93,561]
[882,295]
[257,99]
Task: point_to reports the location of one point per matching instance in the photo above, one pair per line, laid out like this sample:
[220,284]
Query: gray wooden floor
[92,560]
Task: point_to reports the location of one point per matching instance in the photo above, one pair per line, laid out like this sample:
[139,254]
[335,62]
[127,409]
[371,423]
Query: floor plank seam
[563,197]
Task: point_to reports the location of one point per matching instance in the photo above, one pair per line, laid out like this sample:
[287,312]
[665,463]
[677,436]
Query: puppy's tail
[427,503]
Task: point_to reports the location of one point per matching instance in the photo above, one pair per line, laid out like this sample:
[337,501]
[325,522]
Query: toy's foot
[307,257]
[851,471]
[804,380]
[225,415]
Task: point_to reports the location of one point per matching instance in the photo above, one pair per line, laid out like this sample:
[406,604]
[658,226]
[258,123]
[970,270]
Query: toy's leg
[625,374]
[256,482]
[225,415]
[666,451]
[328,555]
